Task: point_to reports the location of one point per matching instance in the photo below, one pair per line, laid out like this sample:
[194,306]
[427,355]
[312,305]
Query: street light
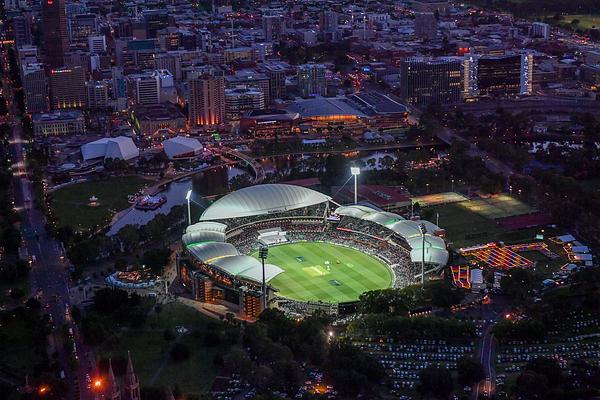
[188,196]
[263,252]
[355,171]
[423,230]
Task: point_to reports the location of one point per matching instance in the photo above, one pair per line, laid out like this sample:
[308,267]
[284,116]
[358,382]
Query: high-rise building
[97,95]
[426,25]
[35,88]
[21,25]
[328,24]
[273,27]
[250,79]
[97,44]
[67,88]
[426,81]
[501,76]
[312,80]
[147,89]
[540,30]
[241,99]
[206,101]
[56,39]
[276,74]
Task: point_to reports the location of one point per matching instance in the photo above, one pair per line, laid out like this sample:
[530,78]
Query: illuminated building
[250,79]
[67,88]
[206,102]
[58,123]
[328,24]
[35,88]
[540,30]
[426,81]
[312,80]
[97,95]
[241,99]
[147,89]
[276,74]
[497,76]
[21,25]
[149,119]
[81,27]
[56,39]
[269,123]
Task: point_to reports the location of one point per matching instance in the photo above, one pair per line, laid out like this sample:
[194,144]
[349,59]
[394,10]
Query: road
[49,278]
[487,386]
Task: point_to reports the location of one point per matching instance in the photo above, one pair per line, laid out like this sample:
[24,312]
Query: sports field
[326,272]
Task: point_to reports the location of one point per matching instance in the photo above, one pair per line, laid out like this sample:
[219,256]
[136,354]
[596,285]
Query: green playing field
[322,271]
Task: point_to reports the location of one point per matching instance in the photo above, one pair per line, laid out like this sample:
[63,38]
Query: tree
[532,385]
[238,362]
[130,236]
[470,371]
[180,352]
[518,285]
[548,367]
[436,382]
[156,259]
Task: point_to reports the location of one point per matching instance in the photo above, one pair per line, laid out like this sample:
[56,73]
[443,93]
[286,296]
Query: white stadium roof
[120,147]
[181,145]
[435,247]
[262,200]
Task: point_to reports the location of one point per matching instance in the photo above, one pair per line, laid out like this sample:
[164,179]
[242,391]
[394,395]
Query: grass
[309,279]
[586,21]
[149,350]
[498,206]
[465,227]
[70,203]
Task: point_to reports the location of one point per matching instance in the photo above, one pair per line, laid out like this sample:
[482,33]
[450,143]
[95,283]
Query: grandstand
[318,269]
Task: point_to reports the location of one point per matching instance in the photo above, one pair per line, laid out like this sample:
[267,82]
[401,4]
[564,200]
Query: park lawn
[498,206]
[149,350]
[586,21]
[21,348]
[310,280]
[70,203]
[465,227]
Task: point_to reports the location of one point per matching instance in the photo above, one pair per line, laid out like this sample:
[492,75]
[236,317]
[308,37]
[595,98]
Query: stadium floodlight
[355,171]
[188,196]
[263,253]
[423,230]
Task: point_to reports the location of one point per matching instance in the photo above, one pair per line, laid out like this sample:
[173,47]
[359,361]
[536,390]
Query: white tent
[120,147]
[181,145]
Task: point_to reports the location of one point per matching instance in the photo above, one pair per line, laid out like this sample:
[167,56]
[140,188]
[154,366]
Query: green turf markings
[356,273]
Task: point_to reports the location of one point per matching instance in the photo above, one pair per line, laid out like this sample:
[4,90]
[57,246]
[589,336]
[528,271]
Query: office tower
[56,40]
[35,88]
[426,25]
[252,80]
[170,61]
[540,30]
[97,95]
[276,74]
[328,24]
[27,54]
[169,39]
[273,27]
[155,20]
[147,89]
[469,77]
[426,81]
[499,76]
[21,25]
[205,40]
[82,26]
[241,99]
[97,44]
[166,85]
[67,88]
[206,101]
[312,80]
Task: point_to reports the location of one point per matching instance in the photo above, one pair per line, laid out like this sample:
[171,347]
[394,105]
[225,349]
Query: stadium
[319,254]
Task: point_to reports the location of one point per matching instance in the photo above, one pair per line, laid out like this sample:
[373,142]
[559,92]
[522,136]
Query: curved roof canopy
[435,247]
[246,267]
[208,252]
[262,200]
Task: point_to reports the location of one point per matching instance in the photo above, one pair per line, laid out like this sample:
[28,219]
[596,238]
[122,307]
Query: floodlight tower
[423,230]
[263,252]
[188,196]
[355,171]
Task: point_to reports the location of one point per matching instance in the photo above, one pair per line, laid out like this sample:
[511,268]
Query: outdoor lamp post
[355,171]
[263,252]
[188,196]
[423,230]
